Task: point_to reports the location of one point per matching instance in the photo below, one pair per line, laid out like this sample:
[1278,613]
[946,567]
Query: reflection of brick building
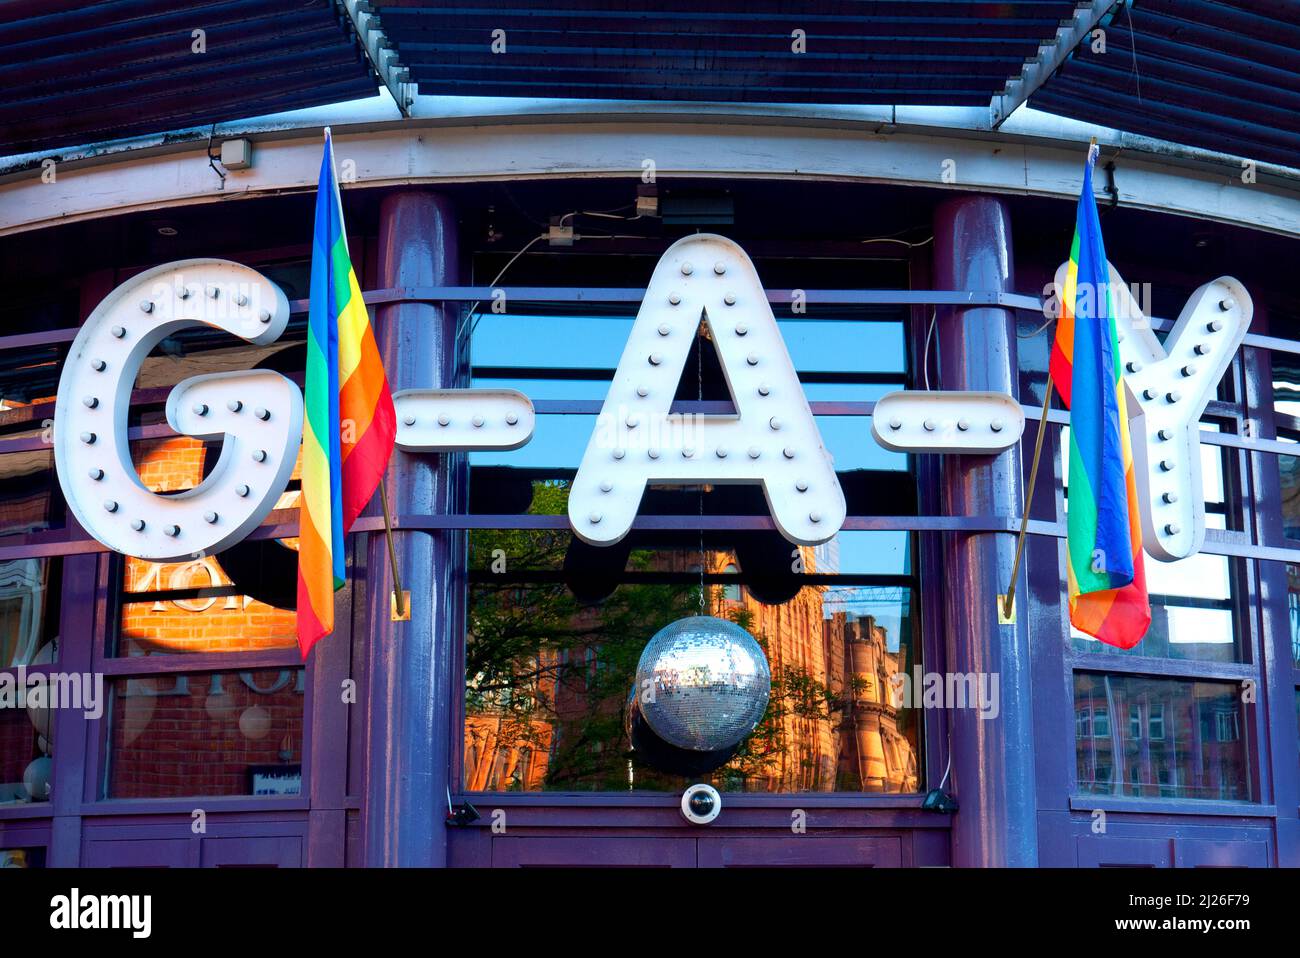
[186,735]
[495,762]
[201,735]
[1157,739]
[873,752]
[799,657]
[209,624]
[834,725]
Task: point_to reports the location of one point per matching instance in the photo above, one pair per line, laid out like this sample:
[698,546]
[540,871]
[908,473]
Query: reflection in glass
[1193,615]
[1159,738]
[27,749]
[822,344]
[29,630]
[1293,610]
[29,609]
[1289,469]
[548,675]
[215,733]
[22,857]
[30,498]
[238,601]
[1286,404]
[194,607]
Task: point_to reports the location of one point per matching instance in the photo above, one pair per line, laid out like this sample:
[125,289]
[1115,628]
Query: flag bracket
[401,607]
[400,610]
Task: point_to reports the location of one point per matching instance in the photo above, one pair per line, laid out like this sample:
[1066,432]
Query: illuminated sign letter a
[771,439]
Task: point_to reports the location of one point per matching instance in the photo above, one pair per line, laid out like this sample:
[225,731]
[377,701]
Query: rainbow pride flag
[1108,590]
[349,423]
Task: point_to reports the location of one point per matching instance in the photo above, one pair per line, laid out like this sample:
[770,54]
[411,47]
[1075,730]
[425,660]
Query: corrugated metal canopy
[1222,75]
[949,52]
[1219,75]
[76,72]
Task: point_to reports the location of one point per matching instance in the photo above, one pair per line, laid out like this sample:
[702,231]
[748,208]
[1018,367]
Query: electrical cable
[890,239]
[1031,335]
[925,358]
[470,312]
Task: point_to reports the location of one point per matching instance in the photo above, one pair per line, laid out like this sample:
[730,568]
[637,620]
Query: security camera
[701,804]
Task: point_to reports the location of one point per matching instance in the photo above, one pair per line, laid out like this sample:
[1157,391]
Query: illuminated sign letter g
[258,412]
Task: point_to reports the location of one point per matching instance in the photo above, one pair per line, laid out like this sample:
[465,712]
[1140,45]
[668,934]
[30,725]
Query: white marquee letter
[259,412]
[773,439]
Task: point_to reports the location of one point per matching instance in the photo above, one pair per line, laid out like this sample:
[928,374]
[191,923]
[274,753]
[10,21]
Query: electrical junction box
[237,154]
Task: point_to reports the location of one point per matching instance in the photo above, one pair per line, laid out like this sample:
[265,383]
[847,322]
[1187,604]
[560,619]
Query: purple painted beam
[410,687]
[992,758]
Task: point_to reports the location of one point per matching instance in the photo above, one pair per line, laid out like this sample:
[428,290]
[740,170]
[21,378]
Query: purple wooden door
[613,852]
[1096,852]
[803,851]
[1206,853]
[140,853]
[277,852]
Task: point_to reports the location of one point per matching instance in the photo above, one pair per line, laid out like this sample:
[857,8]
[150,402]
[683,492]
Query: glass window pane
[1213,461]
[239,600]
[1286,404]
[29,610]
[1286,384]
[824,344]
[549,674]
[29,636]
[30,498]
[555,630]
[1175,739]
[1293,610]
[30,375]
[1297,710]
[195,606]
[217,733]
[26,752]
[22,857]
[1289,469]
[1193,613]
[29,630]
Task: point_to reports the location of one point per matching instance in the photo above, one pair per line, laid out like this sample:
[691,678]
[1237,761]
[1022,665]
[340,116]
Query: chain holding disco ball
[702,685]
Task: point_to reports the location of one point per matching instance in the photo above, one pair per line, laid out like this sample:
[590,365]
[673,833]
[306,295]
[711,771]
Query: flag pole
[1009,604]
[398,600]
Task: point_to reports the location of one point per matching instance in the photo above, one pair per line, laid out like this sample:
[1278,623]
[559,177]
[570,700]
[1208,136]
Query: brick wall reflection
[199,734]
[1160,738]
[203,734]
[232,623]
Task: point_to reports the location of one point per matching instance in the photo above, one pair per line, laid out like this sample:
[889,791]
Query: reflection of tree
[554,671]
[548,675]
[798,698]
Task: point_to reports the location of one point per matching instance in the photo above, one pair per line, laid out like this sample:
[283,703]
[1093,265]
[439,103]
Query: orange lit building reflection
[210,733]
[205,623]
[832,726]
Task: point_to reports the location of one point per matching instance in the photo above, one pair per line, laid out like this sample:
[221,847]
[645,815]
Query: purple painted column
[992,758]
[409,700]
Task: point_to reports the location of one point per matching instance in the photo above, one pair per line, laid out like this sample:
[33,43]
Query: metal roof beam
[1049,58]
[380,52]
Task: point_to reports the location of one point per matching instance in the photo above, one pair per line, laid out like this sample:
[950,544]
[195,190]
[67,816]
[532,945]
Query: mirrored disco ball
[708,683]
